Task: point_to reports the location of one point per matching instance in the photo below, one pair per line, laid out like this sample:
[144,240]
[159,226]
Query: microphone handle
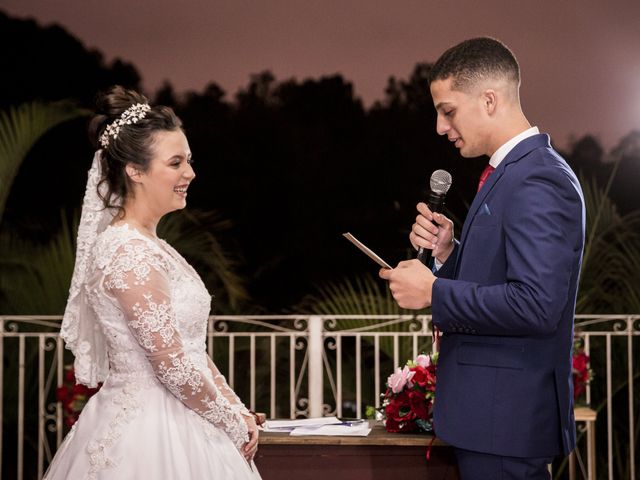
[435,204]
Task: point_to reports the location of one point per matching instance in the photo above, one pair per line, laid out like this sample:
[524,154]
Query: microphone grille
[440,182]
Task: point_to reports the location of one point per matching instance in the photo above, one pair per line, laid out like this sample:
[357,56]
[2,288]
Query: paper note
[367,251]
[361,430]
[328,426]
[288,425]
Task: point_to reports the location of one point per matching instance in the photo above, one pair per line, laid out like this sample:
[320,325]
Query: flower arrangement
[582,374]
[73,396]
[411,391]
[408,400]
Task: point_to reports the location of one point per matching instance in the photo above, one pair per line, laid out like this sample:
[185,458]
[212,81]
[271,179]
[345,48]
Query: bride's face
[163,187]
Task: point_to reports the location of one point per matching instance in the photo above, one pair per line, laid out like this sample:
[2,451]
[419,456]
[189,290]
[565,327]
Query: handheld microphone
[440,183]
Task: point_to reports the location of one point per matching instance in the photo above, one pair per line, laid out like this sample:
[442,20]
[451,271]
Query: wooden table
[587,415]
[379,456]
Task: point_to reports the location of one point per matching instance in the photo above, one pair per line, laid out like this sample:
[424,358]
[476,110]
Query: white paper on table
[266,428]
[357,430]
[289,425]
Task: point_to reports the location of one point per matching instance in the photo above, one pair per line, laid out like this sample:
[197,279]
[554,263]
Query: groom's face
[461,117]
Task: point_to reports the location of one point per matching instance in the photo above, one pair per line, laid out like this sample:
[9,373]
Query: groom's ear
[133,173]
[490,100]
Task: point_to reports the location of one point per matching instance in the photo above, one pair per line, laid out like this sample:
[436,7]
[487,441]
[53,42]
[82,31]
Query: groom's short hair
[474,60]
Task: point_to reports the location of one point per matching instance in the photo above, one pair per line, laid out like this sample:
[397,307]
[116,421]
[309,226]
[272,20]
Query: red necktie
[488,170]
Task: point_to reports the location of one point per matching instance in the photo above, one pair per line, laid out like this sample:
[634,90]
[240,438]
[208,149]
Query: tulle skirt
[138,430]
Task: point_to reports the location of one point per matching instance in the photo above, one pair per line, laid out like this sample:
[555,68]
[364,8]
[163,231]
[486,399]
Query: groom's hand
[438,238]
[411,284]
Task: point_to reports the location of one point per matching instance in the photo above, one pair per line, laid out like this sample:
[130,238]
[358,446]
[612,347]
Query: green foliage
[20,129]
[610,276]
[195,235]
[35,277]
[36,274]
[362,295]
[609,281]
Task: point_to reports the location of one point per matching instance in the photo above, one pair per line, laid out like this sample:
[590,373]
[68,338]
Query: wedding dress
[164,410]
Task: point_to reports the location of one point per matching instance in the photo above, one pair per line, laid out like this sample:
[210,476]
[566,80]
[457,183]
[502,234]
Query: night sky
[580,59]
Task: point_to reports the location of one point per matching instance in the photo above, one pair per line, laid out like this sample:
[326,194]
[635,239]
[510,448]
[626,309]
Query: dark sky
[580,59]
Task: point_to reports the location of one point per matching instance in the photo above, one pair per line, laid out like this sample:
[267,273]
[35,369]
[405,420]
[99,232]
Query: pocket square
[484,210]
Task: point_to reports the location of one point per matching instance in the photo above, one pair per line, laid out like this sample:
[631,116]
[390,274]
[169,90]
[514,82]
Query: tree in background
[292,165]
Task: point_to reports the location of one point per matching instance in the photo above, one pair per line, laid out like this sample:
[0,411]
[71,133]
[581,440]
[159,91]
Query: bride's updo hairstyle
[124,129]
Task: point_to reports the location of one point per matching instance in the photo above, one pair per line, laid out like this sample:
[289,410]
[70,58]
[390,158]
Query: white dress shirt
[496,159]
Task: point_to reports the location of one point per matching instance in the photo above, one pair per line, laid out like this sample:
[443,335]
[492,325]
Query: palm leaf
[610,276]
[362,295]
[194,235]
[20,129]
[35,278]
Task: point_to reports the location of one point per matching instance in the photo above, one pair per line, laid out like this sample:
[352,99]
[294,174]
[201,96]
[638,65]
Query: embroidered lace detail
[222,385]
[157,319]
[83,363]
[79,322]
[147,282]
[97,449]
[215,410]
[136,258]
[182,373]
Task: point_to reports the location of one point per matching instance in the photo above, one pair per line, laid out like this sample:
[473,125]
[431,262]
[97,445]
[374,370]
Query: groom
[504,293]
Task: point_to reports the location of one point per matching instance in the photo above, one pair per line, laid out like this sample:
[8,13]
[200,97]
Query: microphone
[440,183]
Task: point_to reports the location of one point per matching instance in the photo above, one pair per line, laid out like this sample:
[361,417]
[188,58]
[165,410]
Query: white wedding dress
[164,410]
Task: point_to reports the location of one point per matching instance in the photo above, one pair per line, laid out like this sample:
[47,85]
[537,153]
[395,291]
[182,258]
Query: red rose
[411,409]
[431,379]
[392,425]
[62,394]
[418,404]
[399,414]
[420,376]
[580,373]
[404,426]
[580,362]
[399,407]
[79,389]
[73,397]
[579,387]
[425,377]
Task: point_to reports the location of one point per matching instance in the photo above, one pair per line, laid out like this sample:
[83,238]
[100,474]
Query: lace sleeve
[138,279]
[225,389]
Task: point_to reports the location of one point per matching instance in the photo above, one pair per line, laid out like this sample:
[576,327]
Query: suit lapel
[519,151]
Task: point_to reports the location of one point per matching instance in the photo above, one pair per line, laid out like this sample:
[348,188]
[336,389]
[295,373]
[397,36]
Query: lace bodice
[153,309]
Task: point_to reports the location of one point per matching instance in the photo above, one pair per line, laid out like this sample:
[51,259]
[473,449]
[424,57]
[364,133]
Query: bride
[136,318]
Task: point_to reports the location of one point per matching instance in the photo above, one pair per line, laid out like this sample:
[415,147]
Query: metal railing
[293,366]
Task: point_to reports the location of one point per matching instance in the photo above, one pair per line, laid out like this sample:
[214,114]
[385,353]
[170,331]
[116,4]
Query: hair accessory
[130,116]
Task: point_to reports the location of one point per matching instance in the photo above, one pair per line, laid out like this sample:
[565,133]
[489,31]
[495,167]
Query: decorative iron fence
[299,366]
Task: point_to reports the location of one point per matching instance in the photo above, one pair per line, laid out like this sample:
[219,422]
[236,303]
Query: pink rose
[423,361]
[399,379]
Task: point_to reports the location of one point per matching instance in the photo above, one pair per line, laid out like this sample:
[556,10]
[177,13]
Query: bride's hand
[251,447]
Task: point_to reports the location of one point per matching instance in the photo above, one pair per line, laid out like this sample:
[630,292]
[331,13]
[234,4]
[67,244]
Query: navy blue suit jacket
[505,302]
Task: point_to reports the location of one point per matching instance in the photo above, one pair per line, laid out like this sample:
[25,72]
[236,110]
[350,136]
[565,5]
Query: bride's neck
[138,216]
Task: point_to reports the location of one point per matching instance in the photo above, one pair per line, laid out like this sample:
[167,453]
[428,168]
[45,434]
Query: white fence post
[315,378]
